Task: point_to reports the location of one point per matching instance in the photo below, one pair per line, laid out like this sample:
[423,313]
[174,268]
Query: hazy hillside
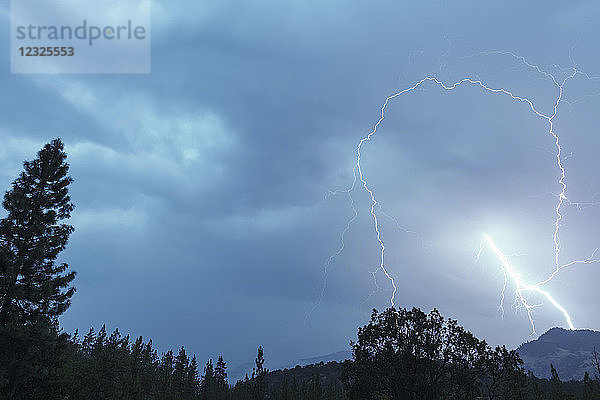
[337,356]
[570,351]
[240,371]
[328,373]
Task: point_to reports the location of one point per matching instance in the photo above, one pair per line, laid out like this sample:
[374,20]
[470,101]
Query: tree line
[399,354]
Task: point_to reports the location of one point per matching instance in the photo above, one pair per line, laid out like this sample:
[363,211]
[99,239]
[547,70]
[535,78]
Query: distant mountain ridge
[338,356]
[570,351]
[240,371]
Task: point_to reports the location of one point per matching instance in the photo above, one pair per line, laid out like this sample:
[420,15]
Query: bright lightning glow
[522,286]
[509,272]
[452,86]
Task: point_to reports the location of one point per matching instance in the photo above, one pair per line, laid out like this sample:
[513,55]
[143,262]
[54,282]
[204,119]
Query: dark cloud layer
[201,217]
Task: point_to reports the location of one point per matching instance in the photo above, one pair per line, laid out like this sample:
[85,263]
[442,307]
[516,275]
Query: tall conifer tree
[32,286]
[34,290]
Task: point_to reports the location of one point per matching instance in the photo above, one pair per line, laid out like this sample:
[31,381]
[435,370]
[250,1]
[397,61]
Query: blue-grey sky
[201,189]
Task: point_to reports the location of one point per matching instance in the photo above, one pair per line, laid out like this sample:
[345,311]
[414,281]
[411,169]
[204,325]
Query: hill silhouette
[570,351]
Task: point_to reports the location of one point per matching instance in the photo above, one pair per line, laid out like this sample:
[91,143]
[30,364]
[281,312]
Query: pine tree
[150,370]
[208,387]
[180,373]
[34,290]
[259,376]
[192,382]
[221,379]
[136,363]
[31,238]
[596,363]
[591,388]
[166,372]
[556,390]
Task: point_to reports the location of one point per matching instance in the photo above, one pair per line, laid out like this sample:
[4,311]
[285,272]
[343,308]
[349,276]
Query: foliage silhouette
[409,354]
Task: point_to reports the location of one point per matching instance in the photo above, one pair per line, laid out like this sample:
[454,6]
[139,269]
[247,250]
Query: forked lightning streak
[508,269]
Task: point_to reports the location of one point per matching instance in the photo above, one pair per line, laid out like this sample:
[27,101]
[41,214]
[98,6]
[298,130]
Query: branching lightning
[522,288]
[339,250]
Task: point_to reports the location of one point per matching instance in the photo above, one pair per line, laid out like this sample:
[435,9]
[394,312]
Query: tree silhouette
[221,379]
[556,391]
[208,387]
[596,363]
[407,354]
[31,238]
[259,375]
[34,290]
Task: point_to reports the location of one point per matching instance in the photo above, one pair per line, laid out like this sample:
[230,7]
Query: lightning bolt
[509,272]
[444,86]
[340,249]
[522,286]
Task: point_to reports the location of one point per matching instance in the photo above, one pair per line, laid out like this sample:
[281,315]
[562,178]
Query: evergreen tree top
[32,236]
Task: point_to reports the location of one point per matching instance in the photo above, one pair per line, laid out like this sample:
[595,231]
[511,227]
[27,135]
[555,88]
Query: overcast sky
[202,210]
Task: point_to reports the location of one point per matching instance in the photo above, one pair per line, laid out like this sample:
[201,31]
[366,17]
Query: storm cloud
[203,216]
